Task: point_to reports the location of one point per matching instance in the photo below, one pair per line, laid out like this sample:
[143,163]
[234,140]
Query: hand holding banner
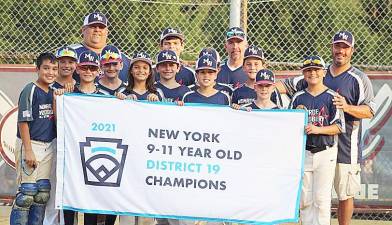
[193,162]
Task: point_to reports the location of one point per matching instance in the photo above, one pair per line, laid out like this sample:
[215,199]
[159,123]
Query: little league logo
[103,161]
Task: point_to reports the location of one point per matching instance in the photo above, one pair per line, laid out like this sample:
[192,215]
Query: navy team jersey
[254,106]
[171,95]
[219,98]
[107,91]
[245,95]
[321,113]
[357,89]
[55,85]
[78,91]
[220,87]
[186,76]
[141,96]
[234,78]
[35,106]
[79,48]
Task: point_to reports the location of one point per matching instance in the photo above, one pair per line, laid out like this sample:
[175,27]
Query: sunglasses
[235,33]
[315,62]
[110,55]
[67,52]
[91,68]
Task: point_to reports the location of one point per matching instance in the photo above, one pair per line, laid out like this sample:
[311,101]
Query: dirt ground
[5,212]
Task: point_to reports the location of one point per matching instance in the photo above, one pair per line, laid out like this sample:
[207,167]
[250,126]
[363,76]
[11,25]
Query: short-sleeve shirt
[186,76]
[245,95]
[321,113]
[357,89]
[219,98]
[35,106]
[80,48]
[141,96]
[107,91]
[218,86]
[254,106]
[171,94]
[234,78]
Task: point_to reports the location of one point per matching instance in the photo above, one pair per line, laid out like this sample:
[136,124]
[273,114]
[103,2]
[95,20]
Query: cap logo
[265,76]
[171,30]
[98,17]
[207,54]
[141,55]
[253,50]
[167,55]
[343,36]
[89,57]
[207,61]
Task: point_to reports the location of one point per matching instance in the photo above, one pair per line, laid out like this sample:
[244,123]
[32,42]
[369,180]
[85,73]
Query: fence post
[244,15]
[235,13]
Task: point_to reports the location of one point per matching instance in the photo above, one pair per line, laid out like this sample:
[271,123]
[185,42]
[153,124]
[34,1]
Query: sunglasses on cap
[235,33]
[110,55]
[313,62]
[89,67]
[66,52]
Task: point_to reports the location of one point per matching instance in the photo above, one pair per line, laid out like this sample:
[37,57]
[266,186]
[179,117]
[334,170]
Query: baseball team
[336,98]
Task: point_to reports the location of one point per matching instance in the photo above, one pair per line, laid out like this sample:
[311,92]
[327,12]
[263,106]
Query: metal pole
[235,13]
[244,15]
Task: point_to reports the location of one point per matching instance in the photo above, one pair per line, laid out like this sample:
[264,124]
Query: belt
[314,149]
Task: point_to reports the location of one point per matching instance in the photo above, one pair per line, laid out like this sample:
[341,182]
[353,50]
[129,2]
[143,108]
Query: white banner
[193,162]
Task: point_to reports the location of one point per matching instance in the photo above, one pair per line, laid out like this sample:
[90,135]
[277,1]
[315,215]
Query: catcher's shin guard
[23,200]
[37,209]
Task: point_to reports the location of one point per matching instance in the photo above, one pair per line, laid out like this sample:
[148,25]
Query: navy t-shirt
[254,106]
[35,106]
[321,112]
[79,48]
[171,95]
[107,91]
[245,95]
[218,86]
[219,98]
[186,76]
[141,96]
[234,78]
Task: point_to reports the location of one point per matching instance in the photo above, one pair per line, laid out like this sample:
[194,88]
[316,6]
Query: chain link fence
[286,29]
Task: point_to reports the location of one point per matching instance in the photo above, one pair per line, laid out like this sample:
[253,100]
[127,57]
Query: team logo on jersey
[318,116]
[103,161]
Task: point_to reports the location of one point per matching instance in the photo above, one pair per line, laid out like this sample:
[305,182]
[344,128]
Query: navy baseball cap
[88,58]
[265,76]
[254,52]
[141,56]
[210,52]
[66,52]
[344,37]
[235,32]
[109,54]
[171,32]
[206,62]
[167,56]
[94,18]
[313,62]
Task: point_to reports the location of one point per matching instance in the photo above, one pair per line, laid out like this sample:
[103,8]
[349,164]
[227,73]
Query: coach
[95,34]
[355,97]
[231,71]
